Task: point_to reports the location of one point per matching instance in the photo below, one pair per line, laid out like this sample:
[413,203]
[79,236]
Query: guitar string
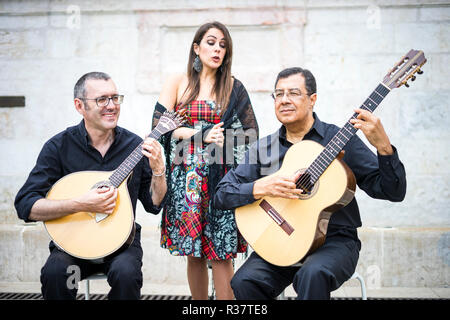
[304,181]
[130,162]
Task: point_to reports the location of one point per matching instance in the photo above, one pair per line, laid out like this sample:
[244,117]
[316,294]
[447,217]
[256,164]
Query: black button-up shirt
[70,151]
[381,177]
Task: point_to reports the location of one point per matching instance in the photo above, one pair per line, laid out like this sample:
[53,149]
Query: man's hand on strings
[277,186]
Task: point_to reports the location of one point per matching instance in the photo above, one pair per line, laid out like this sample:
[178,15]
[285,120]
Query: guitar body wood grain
[79,234]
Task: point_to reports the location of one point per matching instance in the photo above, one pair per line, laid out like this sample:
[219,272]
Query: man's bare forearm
[158,189]
[45,209]
[101,200]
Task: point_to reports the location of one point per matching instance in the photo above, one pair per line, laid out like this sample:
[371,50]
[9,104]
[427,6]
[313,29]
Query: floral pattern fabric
[190,225]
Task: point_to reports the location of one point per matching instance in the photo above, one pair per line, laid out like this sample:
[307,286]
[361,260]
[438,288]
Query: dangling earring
[197,65]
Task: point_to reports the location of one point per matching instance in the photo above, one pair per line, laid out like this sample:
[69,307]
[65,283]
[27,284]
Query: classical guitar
[284,231]
[90,235]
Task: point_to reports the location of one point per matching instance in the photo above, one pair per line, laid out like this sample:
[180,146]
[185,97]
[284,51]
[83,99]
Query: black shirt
[381,177]
[70,151]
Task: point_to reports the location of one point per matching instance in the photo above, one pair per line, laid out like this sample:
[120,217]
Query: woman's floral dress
[188,228]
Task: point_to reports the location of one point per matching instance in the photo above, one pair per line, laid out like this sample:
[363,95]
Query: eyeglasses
[291,94]
[104,101]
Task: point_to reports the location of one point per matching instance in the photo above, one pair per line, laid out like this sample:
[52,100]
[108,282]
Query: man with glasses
[381,176]
[96,143]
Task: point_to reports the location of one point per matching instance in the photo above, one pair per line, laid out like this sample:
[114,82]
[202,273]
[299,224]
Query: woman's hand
[215,135]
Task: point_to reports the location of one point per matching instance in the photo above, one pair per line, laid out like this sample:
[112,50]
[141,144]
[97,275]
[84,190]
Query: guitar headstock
[171,120]
[405,69]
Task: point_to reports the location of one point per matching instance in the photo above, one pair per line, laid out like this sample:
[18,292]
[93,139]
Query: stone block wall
[45,46]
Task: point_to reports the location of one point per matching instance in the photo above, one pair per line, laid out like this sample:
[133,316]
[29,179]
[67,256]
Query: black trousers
[323,271]
[60,273]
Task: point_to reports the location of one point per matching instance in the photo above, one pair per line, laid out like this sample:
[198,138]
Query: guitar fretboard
[125,168]
[337,143]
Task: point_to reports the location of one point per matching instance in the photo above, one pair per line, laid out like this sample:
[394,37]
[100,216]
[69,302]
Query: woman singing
[222,126]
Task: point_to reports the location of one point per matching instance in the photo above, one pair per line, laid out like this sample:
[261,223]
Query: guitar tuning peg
[413,78]
[419,71]
[406,84]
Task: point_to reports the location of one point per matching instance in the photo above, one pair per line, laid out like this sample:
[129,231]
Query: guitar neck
[125,168]
[340,139]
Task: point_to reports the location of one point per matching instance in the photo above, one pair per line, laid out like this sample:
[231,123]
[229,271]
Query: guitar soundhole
[304,183]
[102,184]
[100,216]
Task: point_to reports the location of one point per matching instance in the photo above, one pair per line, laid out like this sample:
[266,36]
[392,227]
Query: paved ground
[350,289]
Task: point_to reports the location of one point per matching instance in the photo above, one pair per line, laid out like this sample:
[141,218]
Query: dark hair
[79,91]
[223,84]
[310,81]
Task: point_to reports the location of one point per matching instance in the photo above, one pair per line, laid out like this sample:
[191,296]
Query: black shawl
[242,126]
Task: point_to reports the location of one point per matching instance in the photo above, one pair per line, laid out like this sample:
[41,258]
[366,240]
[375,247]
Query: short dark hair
[79,91]
[310,81]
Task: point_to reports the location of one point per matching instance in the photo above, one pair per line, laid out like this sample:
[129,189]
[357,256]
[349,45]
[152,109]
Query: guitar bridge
[275,216]
[279,220]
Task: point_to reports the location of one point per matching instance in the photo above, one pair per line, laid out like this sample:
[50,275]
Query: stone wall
[45,46]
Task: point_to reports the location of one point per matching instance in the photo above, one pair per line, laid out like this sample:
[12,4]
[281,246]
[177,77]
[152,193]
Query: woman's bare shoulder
[171,87]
